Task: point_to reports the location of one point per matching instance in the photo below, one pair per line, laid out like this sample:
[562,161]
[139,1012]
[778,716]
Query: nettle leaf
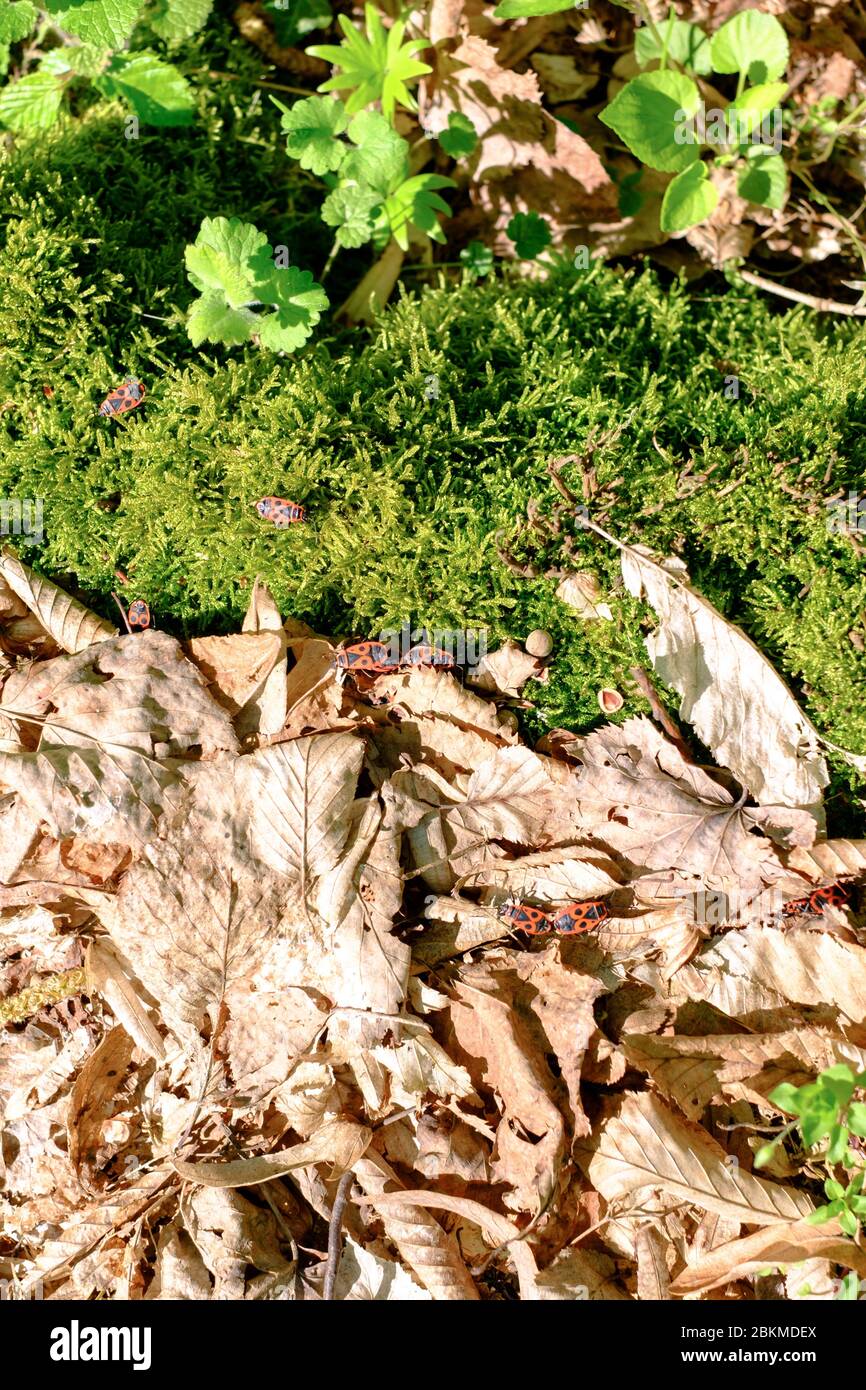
[652,116]
[460,138]
[31,103]
[300,303]
[16,20]
[530,234]
[381,156]
[764,179]
[312,127]
[174,20]
[350,209]
[689,199]
[376,67]
[230,256]
[158,94]
[416,201]
[752,42]
[105,22]
[686,44]
[294,19]
[84,60]
[212,321]
[753,105]
[530,9]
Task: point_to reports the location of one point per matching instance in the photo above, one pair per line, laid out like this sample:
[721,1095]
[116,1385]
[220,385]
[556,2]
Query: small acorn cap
[610,701]
[539,643]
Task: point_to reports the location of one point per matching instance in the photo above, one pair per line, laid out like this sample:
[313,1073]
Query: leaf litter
[298,1011]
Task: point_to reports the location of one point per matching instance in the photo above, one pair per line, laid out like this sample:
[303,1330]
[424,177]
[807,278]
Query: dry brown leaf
[425,692]
[653,1276]
[105,973]
[739,706]
[580,1275]
[504,671]
[783,1244]
[95,1088]
[338,1142]
[237,667]
[801,966]
[72,626]
[313,697]
[265,713]
[643,1144]
[581,592]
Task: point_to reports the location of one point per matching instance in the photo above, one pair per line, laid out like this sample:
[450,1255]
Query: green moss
[406,489]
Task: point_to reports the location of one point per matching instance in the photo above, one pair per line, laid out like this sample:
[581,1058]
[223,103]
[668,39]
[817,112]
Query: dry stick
[334,1229]
[828,306]
[660,714]
[122,612]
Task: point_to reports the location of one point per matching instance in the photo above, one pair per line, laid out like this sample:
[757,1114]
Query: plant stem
[668,32]
[329,262]
[249,81]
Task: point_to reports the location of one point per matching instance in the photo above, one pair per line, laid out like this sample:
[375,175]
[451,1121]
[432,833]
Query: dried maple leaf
[72,626]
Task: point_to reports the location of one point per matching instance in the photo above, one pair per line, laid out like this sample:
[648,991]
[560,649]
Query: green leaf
[84,60]
[212,321]
[651,115]
[376,67]
[839,1081]
[838,1144]
[350,210]
[689,199]
[477,258]
[174,20]
[787,1097]
[764,1154]
[822,1214]
[158,94]
[294,19]
[752,42]
[530,234]
[416,202]
[850,1287]
[857,1119]
[300,302]
[752,106]
[107,23]
[312,127]
[857,1205]
[229,256]
[529,9]
[16,21]
[833,1189]
[686,44]
[764,179]
[460,138]
[31,103]
[849,1223]
[818,1120]
[381,158]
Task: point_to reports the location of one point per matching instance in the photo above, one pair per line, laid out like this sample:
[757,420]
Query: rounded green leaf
[752,107]
[752,42]
[689,199]
[312,127]
[459,138]
[107,23]
[530,234]
[212,321]
[764,180]
[226,256]
[686,44]
[158,94]
[16,20]
[652,115]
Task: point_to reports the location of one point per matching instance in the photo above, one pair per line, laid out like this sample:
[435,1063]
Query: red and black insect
[365,656]
[836,895]
[579,917]
[424,655]
[124,398]
[279,510]
[525,917]
[138,616]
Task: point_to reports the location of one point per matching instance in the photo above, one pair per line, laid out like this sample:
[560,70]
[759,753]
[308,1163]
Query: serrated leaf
[530,234]
[227,255]
[105,22]
[764,180]
[85,59]
[375,67]
[477,258]
[349,209]
[31,103]
[686,44]
[651,115]
[381,156]
[174,20]
[158,94]
[311,128]
[300,302]
[689,199]
[16,20]
[212,321]
[752,42]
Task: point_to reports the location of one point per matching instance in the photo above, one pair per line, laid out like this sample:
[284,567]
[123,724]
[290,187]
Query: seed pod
[539,644]
[610,701]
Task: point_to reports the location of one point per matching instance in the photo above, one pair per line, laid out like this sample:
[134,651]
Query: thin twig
[824,306]
[334,1230]
[660,714]
[122,612]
